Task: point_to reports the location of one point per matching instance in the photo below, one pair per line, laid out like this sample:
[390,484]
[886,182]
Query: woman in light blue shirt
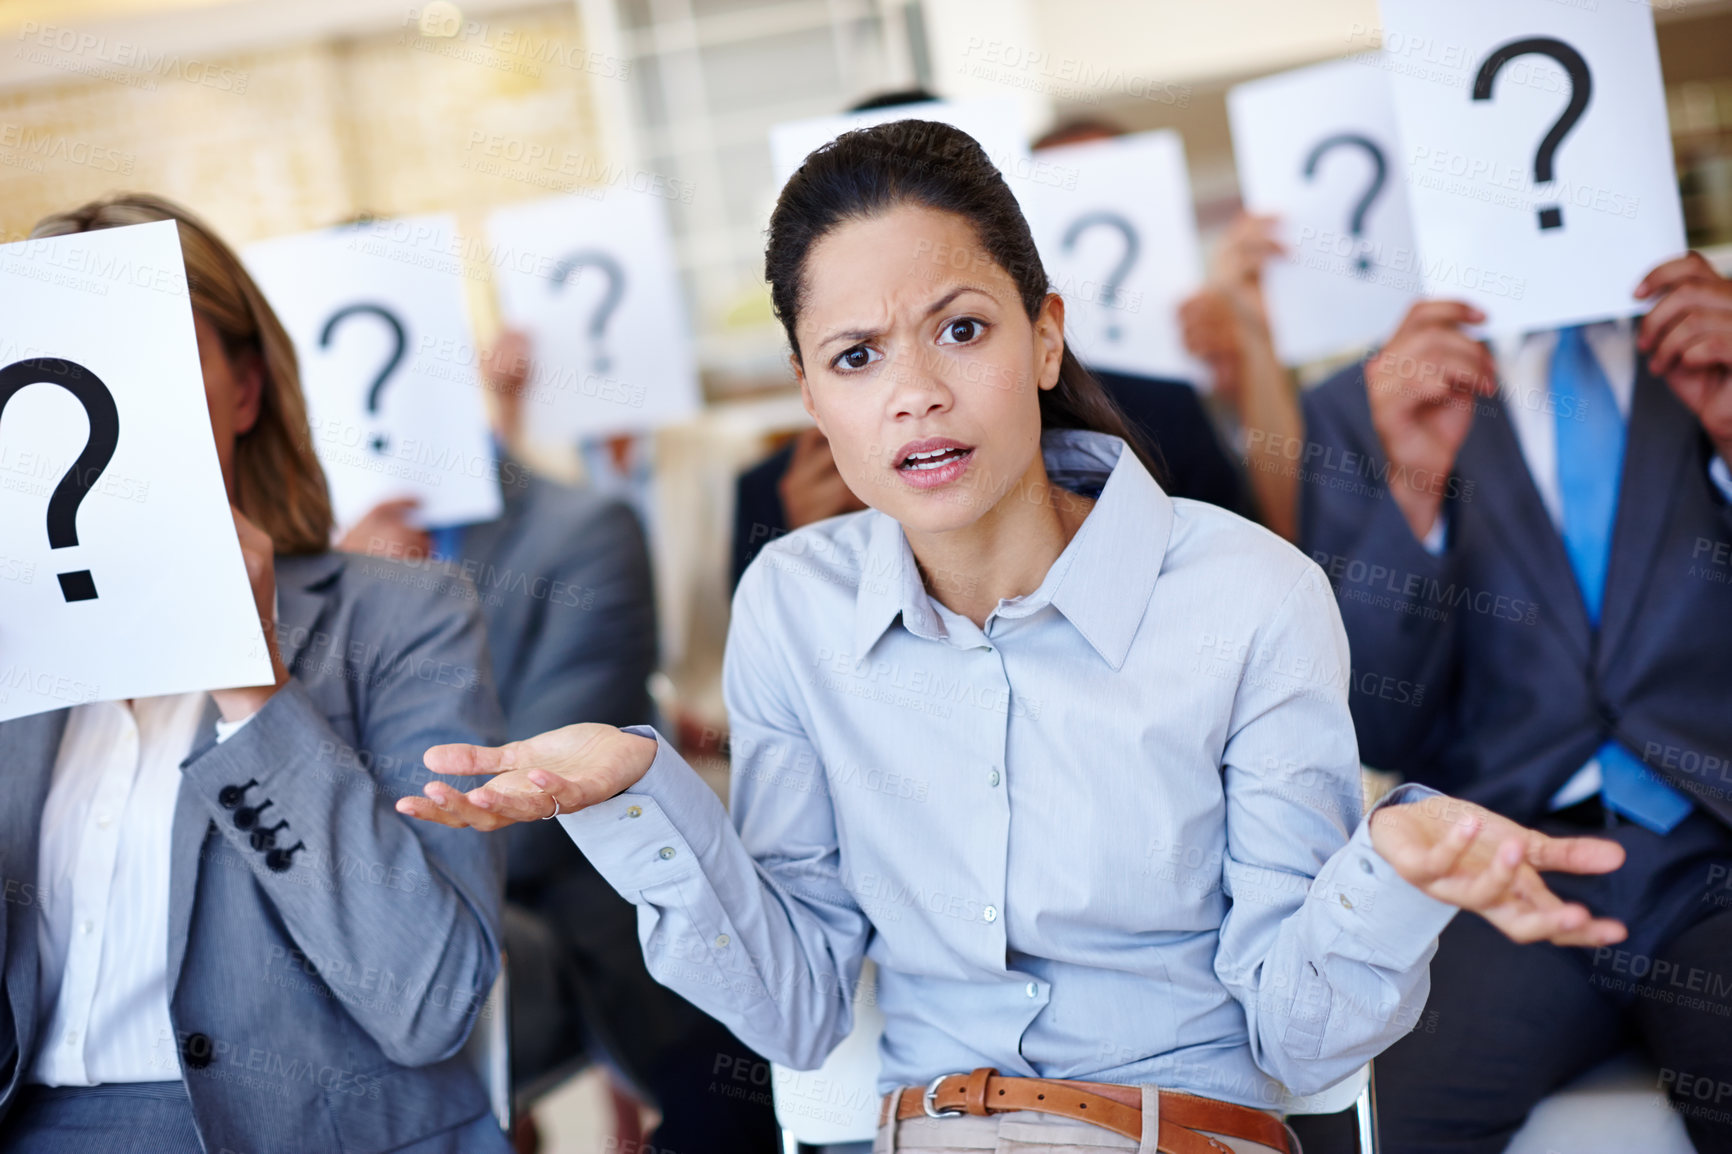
[1069,759]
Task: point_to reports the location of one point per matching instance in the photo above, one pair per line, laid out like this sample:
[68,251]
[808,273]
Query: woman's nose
[920,388]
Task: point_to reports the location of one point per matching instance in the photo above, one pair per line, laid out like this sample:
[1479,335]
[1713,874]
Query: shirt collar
[1101,582]
[1524,362]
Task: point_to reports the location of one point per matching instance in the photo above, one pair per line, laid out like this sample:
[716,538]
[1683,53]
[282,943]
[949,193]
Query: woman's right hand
[576,767]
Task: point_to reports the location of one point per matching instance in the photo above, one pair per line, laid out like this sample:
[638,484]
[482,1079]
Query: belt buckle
[927,1100]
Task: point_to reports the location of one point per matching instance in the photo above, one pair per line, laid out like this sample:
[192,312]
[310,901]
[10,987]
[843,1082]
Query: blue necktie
[447,542]
[1590,465]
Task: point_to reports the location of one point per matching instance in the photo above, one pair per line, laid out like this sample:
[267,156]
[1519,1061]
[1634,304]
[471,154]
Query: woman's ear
[805,390]
[249,379]
[1049,340]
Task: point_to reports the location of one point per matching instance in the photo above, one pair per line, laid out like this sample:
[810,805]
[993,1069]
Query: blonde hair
[278,482]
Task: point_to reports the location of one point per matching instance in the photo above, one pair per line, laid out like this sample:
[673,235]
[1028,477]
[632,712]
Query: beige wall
[307,134]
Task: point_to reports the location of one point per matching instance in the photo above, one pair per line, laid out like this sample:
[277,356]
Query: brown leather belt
[1184,1117]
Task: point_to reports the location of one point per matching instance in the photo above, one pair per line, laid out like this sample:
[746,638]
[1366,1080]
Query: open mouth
[932,462]
[933,459]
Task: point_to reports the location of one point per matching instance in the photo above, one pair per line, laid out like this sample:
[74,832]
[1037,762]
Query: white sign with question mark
[120,572]
[1318,147]
[389,364]
[594,284]
[1537,154]
[1120,245]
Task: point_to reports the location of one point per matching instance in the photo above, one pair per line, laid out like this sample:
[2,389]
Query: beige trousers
[1025,1132]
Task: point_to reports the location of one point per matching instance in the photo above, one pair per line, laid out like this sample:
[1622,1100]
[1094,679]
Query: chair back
[837,1102]
[488,1050]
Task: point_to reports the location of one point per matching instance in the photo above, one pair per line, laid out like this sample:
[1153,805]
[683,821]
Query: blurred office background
[278,116]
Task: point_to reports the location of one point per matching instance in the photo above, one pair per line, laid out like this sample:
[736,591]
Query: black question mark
[1355,224]
[610,268]
[1581,87]
[104,419]
[390,318]
[1133,246]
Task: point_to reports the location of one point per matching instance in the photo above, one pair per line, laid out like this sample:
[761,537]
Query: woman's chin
[937,510]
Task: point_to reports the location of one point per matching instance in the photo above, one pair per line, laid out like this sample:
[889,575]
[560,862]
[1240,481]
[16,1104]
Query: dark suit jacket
[1477,671]
[1169,415]
[321,1006]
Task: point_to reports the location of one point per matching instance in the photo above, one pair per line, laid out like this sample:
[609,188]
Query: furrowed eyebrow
[854,336]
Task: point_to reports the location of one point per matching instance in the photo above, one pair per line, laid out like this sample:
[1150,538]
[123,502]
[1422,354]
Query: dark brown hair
[868,172]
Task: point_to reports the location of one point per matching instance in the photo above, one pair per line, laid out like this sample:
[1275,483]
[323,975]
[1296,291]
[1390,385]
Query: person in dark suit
[567,590]
[1531,546]
[227,939]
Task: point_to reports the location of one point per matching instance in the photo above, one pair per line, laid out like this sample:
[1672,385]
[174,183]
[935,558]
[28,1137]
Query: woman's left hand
[259,553]
[1470,857]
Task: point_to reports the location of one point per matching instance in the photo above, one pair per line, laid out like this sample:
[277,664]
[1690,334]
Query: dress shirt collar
[1524,360]
[1101,582]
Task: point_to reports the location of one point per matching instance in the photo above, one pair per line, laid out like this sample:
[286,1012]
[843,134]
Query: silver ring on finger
[555,812]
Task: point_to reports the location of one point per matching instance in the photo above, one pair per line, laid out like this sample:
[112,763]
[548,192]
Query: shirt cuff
[227,729]
[634,838]
[1721,476]
[1395,921]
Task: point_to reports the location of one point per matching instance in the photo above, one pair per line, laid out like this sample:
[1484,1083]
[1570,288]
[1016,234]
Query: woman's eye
[960,332]
[857,357]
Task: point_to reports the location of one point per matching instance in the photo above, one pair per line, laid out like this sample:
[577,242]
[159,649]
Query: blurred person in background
[1254,402]
[799,483]
[568,594]
[1529,540]
[206,967]
[991,852]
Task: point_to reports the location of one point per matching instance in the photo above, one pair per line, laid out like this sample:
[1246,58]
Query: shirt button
[1034,989]
[103,821]
[72,1037]
[722,941]
[992,778]
[1345,904]
[88,926]
[634,811]
[990,913]
[666,852]
[1365,865]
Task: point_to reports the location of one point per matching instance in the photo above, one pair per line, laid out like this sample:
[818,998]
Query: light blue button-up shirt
[1114,835]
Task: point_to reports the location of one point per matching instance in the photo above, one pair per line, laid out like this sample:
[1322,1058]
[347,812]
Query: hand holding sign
[1687,339]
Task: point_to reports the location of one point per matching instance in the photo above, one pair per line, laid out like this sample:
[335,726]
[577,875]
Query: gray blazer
[320,992]
[1477,671]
